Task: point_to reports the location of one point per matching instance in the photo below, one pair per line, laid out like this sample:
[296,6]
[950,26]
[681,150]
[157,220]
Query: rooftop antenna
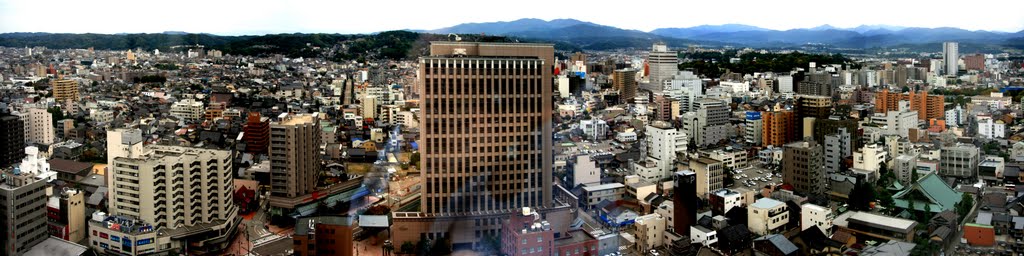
[457,37]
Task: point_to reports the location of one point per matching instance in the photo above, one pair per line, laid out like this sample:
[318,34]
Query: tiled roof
[941,196]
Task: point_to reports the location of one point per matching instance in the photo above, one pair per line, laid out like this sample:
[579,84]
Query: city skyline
[270,17]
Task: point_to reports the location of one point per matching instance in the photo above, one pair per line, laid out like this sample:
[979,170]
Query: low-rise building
[812,215]
[593,195]
[766,216]
[875,225]
[650,231]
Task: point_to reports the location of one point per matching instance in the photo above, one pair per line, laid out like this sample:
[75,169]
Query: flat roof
[55,246]
[604,187]
[875,219]
[767,203]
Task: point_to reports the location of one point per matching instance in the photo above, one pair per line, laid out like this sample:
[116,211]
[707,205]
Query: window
[540,239]
[524,240]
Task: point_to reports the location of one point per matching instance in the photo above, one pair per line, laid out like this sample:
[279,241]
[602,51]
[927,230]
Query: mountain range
[589,35]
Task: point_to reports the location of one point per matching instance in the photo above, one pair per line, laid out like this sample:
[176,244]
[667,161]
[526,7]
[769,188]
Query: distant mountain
[864,36]
[823,28]
[506,27]
[691,32]
[863,29]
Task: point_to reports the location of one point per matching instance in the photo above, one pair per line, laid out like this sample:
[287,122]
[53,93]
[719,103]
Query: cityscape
[581,136]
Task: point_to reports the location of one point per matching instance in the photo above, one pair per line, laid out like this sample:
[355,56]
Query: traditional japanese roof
[930,190]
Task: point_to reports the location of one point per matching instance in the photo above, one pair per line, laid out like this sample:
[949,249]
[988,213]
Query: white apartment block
[991,129]
[766,216]
[188,109]
[816,216]
[38,125]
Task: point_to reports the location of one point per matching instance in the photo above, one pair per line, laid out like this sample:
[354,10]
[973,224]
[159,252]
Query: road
[281,246]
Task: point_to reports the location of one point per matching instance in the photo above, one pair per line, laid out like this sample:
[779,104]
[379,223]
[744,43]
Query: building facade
[959,161]
[294,158]
[779,128]
[710,174]
[803,167]
[663,64]
[767,216]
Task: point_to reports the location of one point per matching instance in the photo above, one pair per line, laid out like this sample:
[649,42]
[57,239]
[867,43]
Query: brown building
[975,62]
[294,158]
[813,106]
[927,107]
[803,167]
[257,134]
[625,82]
[324,236]
[485,140]
[779,128]
[64,89]
[12,140]
[524,233]
[685,201]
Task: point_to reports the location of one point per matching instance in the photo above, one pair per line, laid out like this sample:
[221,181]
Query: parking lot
[755,177]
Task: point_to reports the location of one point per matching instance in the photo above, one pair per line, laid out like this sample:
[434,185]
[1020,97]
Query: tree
[414,159]
[861,196]
[964,206]
[905,89]
[407,248]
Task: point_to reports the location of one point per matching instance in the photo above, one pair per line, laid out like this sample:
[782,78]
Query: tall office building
[951,56]
[257,133]
[779,128]
[294,158]
[803,167]
[625,82]
[710,175]
[64,90]
[23,208]
[663,65]
[38,125]
[813,106]
[485,139]
[708,123]
[12,140]
[927,106]
[685,200]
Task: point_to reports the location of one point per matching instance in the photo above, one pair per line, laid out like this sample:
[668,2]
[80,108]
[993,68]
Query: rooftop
[603,187]
[294,119]
[767,203]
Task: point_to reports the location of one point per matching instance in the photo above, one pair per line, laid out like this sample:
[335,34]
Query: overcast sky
[234,17]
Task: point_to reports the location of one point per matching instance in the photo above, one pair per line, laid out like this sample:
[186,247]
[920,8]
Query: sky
[249,17]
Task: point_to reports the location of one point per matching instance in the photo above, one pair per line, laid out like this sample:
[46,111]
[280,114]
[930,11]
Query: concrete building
[767,216]
[24,206]
[685,87]
[786,84]
[927,106]
[594,129]
[117,235]
[684,200]
[875,226]
[731,158]
[723,200]
[900,122]
[12,140]
[870,158]
[187,194]
[819,107]
[295,160]
[662,63]
[710,174]
[951,57]
[593,195]
[256,133]
[803,167]
[837,147]
[753,128]
[989,128]
[708,123]
[123,143]
[66,216]
[904,166]
[585,171]
[664,142]
[526,234]
[38,125]
[650,232]
[324,236]
[960,161]
[779,128]
[625,83]
[812,215]
[188,110]
[65,90]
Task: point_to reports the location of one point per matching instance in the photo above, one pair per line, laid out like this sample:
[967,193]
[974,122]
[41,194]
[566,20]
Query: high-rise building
[813,106]
[779,128]
[38,125]
[708,123]
[12,140]
[180,193]
[951,56]
[66,215]
[803,167]
[490,157]
[786,84]
[927,106]
[974,62]
[685,87]
[294,158]
[814,88]
[710,174]
[625,82]
[65,90]
[685,201]
[837,147]
[257,134]
[663,65]
[753,127]
[663,143]
[23,208]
